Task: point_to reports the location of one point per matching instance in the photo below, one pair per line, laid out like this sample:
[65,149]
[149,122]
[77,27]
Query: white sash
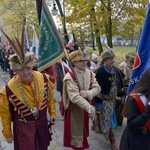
[143,98]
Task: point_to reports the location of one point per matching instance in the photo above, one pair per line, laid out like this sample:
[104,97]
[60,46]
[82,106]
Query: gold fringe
[15,109]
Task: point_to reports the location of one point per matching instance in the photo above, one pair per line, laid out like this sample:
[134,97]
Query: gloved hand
[53,119]
[10,140]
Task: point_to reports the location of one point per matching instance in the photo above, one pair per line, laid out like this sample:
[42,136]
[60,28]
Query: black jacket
[135,137]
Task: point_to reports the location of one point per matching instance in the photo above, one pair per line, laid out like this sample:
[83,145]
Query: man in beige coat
[126,67]
[79,88]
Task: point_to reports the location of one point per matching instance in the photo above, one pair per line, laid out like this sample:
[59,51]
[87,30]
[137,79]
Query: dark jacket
[135,137]
[60,76]
[104,80]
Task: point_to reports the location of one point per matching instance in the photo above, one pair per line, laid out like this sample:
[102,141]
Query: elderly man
[25,101]
[79,88]
[111,81]
[126,67]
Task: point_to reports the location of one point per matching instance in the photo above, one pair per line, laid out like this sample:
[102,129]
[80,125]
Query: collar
[109,70]
[80,71]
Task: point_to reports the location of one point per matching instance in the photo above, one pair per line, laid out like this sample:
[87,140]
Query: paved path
[96,140]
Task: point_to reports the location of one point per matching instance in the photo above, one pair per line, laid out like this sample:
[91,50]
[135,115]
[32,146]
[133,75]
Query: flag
[142,58]
[26,40]
[50,46]
[35,44]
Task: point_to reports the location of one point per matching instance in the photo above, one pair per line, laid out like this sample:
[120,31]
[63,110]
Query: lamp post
[61,9]
[54,10]
[63,15]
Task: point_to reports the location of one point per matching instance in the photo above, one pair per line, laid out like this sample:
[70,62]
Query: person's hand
[10,140]
[53,119]
[120,99]
[92,113]
[83,93]
[92,116]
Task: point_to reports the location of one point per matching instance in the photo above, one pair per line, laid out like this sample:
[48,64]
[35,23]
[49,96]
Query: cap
[94,56]
[107,54]
[78,55]
[20,58]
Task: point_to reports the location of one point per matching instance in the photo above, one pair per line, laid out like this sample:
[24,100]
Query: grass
[119,51]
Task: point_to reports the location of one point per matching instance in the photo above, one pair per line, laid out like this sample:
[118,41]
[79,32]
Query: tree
[83,15]
[16,13]
[109,16]
[63,20]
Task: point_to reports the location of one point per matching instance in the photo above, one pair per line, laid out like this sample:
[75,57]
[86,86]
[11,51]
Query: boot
[112,140]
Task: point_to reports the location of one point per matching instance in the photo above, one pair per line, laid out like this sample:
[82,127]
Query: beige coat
[71,90]
[77,105]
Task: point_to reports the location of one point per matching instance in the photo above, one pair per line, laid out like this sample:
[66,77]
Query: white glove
[53,119]
[10,140]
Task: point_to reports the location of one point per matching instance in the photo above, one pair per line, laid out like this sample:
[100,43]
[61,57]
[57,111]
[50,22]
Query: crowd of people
[89,89]
[5,53]
[108,103]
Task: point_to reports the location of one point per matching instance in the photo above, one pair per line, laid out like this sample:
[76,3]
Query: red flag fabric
[52,73]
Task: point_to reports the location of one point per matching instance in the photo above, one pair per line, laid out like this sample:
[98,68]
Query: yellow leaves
[15,12]
[82,10]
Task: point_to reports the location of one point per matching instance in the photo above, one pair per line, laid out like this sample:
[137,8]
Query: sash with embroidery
[141,104]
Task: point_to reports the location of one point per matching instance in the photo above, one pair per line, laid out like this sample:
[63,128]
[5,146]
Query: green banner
[50,46]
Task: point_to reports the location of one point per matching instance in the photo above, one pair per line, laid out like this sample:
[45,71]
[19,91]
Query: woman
[94,63]
[136,135]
